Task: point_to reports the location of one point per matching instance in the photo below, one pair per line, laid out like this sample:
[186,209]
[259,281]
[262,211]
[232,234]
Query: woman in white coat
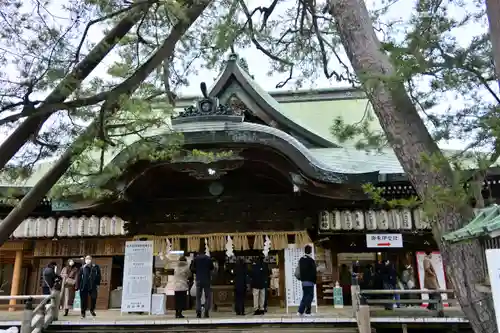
[181,276]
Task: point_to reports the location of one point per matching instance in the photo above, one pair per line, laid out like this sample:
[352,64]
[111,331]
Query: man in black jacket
[88,281]
[307,269]
[259,276]
[202,267]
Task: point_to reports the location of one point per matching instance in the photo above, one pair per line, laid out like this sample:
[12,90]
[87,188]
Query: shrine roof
[233,72]
[486,223]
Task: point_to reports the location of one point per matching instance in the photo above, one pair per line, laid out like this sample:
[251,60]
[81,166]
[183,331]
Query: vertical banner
[493,262]
[294,286]
[137,277]
[437,263]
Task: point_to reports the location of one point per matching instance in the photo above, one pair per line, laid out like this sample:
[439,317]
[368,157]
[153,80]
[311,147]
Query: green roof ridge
[486,221]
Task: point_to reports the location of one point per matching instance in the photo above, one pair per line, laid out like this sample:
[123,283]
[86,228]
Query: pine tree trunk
[411,141]
[493,11]
[68,85]
[43,186]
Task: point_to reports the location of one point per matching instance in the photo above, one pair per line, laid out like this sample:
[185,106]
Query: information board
[384,240]
[293,286]
[437,263]
[493,262]
[137,277]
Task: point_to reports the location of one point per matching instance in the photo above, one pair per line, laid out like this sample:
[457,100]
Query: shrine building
[259,169]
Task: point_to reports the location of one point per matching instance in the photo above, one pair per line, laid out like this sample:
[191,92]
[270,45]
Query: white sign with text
[137,277]
[384,240]
[493,262]
[293,286]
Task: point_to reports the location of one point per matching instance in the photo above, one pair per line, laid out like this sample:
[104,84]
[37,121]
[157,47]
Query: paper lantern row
[396,219]
[70,227]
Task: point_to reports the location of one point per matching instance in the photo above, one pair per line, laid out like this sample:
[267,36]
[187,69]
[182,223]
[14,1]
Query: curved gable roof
[233,72]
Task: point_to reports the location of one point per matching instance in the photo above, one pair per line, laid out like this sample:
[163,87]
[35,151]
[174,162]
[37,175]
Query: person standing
[240,286]
[408,281]
[202,266]
[389,279]
[49,278]
[345,282]
[430,280]
[69,274]
[259,276]
[88,281]
[308,276]
[181,286]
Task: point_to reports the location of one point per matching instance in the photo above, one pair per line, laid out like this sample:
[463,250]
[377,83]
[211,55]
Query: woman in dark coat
[240,286]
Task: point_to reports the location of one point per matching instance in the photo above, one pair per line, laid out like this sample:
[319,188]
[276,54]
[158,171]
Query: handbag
[70,282]
[297,271]
[192,292]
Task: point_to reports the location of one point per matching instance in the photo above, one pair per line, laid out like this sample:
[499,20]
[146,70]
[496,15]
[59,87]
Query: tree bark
[493,11]
[411,141]
[29,202]
[69,84]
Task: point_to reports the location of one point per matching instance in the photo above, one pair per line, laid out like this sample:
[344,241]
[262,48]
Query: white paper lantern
[30,228]
[73,226]
[93,226]
[395,219]
[62,227]
[104,226]
[421,221]
[19,232]
[359,220]
[406,219]
[50,224]
[371,220]
[382,220]
[336,222]
[40,227]
[347,220]
[325,220]
[82,228]
[114,226]
[122,230]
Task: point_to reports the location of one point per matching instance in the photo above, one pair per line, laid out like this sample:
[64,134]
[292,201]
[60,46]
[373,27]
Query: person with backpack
[306,273]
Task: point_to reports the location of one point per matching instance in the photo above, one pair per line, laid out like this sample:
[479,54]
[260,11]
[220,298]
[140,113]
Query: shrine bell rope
[217,242]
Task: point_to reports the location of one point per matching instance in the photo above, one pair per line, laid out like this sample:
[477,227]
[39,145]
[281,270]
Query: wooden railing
[35,320]
[361,302]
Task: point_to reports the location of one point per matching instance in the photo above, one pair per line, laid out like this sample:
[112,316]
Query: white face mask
[88,261]
[71,263]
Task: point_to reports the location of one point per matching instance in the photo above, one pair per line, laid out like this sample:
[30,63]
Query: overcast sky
[258,63]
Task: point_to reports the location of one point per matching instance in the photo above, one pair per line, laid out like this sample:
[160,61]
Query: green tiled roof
[486,221]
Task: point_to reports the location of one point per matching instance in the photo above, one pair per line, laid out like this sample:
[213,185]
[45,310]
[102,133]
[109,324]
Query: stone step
[117,328]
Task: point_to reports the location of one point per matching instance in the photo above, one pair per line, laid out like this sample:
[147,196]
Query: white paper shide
[137,277]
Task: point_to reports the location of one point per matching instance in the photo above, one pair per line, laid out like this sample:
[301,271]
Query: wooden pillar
[16,278]
[282,287]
